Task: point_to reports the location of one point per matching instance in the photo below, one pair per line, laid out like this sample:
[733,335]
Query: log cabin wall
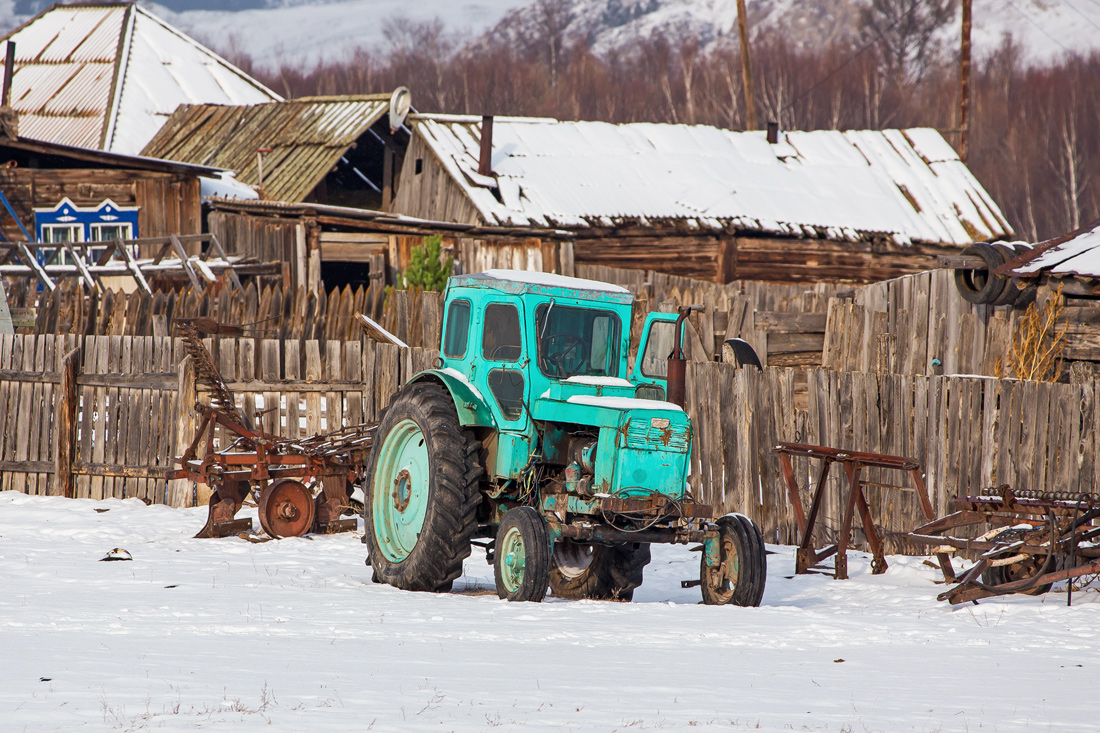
[170,203]
[726,259]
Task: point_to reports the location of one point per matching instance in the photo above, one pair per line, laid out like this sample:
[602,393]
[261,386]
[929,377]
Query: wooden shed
[64,193]
[338,246]
[706,203]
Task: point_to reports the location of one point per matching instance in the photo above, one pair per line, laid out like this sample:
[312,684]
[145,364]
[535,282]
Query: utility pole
[964,83]
[746,66]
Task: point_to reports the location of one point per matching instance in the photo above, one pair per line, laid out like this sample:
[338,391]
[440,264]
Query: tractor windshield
[577,341]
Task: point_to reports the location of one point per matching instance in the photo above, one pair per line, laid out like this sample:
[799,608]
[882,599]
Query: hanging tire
[980,286]
[742,571]
[1010,293]
[598,572]
[421,491]
[521,558]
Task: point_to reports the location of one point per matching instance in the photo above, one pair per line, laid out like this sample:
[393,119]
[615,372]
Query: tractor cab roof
[518,282]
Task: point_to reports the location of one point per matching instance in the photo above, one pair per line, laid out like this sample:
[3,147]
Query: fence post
[179,493]
[65,439]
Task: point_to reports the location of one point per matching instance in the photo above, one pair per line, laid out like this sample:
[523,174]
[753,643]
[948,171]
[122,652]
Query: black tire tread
[749,587]
[615,572]
[537,551]
[436,560]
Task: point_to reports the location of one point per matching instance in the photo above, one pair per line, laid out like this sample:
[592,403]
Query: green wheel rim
[512,560]
[400,491]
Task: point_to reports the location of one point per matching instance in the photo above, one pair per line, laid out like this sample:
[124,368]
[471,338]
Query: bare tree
[906,34]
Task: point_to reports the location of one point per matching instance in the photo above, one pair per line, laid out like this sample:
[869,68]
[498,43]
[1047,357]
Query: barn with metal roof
[108,75]
[705,202]
[330,150]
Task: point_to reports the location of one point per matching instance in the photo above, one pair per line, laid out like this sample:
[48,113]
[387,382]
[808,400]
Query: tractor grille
[641,434]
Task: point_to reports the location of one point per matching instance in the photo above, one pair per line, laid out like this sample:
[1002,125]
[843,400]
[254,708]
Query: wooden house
[338,246]
[62,193]
[706,203]
[107,75]
[336,150]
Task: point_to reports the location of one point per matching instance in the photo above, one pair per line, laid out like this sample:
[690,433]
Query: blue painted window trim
[88,218]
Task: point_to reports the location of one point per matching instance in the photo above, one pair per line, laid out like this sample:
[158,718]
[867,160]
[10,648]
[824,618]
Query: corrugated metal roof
[306,136]
[107,76]
[901,185]
[1074,254]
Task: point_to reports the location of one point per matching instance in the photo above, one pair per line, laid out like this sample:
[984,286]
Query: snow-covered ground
[293,635]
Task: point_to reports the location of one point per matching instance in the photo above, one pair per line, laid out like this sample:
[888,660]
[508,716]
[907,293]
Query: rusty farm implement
[282,476]
[1036,538]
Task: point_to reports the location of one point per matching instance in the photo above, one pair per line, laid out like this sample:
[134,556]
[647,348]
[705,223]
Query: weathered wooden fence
[967,432]
[104,416]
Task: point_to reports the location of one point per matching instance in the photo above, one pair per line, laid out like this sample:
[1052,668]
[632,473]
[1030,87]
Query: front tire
[598,572]
[743,564]
[521,559]
[422,491]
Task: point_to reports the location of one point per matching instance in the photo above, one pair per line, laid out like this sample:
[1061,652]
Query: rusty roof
[1076,254]
[107,75]
[104,159]
[306,137]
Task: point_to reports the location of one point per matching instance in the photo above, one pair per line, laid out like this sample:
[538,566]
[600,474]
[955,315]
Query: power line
[1087,18]
[847,61]
[1061,45]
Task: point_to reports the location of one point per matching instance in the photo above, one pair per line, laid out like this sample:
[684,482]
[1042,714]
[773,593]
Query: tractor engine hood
[598,401]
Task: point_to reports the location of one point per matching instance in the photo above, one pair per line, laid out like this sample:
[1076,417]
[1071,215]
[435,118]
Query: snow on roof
[106,76]
[306,137]
[551,280]
[904,185]
[1077,253]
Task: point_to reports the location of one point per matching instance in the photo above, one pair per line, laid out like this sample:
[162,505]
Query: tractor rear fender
[469,403]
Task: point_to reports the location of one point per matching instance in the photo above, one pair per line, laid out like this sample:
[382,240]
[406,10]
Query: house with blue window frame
[62,193]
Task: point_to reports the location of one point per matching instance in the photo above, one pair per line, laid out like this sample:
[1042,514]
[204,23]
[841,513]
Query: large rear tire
[743,569]
[421,491]
[598,572]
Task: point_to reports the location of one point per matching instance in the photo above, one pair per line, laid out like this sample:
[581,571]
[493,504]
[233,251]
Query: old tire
[740,577]
[422,491]
[598,572]
[981,286]
[521,558]
[1010,292]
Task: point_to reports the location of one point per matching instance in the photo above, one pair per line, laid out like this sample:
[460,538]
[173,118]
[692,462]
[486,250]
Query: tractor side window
[507,388]
[501,339]
[662,337]
[458,329]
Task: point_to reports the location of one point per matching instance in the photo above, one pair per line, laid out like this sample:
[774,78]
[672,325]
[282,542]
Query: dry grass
[1038,341]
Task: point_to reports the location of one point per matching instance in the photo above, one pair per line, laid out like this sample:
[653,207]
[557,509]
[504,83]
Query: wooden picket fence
[967,432]
[104,416]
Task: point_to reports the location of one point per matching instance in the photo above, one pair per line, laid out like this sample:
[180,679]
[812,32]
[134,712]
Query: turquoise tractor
[530,439]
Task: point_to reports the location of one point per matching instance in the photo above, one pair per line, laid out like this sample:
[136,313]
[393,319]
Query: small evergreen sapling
[427,269]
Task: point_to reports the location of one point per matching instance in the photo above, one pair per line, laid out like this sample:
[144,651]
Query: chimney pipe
[773,132]
[9,72]
[485,162]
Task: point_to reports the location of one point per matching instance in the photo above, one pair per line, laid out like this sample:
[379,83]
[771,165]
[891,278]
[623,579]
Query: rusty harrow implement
[275,471]
[1036,539]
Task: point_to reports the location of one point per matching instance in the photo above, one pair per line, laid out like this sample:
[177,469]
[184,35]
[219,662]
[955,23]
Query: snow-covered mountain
[275,32]
[1046,28]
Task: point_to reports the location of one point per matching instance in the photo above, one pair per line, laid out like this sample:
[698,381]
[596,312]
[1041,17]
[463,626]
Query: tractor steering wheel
[566,353]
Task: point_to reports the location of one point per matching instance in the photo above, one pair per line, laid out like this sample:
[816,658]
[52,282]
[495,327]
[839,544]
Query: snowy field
[292,635]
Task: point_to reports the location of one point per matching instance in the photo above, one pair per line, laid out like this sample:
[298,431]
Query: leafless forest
[1035,130]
